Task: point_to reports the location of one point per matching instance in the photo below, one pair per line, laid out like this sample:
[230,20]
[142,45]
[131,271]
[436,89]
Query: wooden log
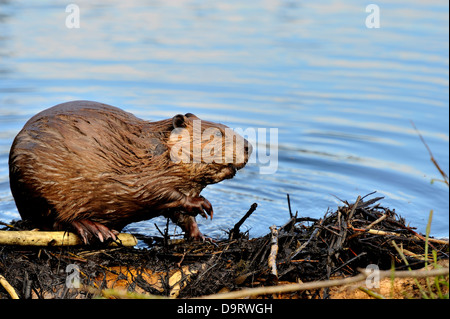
[54,238]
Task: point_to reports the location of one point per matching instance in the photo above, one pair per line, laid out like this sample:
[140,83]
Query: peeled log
[54,238]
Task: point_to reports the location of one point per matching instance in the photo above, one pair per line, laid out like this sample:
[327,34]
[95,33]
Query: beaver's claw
[88,229]
[198,205]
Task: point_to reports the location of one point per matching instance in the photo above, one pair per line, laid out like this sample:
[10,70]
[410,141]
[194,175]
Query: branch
[388,233]
[54,238]
[272,261]
[431,155]
[8,288]
[326,283]
[234,233]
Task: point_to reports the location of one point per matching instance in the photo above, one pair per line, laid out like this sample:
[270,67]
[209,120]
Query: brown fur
[94,168]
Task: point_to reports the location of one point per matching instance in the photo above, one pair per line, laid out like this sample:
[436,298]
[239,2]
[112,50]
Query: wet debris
[304,249]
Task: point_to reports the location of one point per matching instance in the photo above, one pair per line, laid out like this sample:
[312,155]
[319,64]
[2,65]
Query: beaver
[92,168]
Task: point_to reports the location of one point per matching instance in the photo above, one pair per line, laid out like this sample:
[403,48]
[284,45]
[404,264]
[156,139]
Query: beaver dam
[337,256]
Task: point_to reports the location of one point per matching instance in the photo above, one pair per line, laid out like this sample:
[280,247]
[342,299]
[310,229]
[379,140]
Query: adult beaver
[93,168]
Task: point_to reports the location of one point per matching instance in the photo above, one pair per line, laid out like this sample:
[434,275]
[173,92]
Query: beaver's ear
[179,121]
[190,115]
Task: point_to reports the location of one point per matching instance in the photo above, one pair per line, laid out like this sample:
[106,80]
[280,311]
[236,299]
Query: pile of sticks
[354,236]
[340,244]
[301,252]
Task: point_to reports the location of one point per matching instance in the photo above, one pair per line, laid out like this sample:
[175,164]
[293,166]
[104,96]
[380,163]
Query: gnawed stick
[388,233]
[54,238]
[273,251]
[383,217]
[8,287]
[376,232]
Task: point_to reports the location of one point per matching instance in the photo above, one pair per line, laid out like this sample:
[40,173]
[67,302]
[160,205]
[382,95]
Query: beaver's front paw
[88,230]
[197,205]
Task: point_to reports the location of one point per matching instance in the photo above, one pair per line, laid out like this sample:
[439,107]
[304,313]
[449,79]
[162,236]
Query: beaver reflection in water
[93,168]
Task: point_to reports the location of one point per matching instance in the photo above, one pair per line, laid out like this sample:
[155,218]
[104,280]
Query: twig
[289,205]
[165,235]
[327,283]
[370,201]
[8,287]
[431,155]
[355,205]
[298,250]
[369,195]
[377,221]
[121,294]
[348,262]
[305,260]
[159,230]
[375,231]
[409,268]
[331,231]
[181,260]
[371,293]
[234,233]
[389,233]
[272,261]
[7,225]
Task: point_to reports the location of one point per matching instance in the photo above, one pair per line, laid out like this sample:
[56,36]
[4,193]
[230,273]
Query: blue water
[340,94]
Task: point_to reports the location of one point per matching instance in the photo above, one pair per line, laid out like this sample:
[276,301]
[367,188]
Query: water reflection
[341,95]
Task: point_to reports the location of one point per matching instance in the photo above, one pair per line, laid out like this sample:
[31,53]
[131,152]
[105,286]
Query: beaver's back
[67,160]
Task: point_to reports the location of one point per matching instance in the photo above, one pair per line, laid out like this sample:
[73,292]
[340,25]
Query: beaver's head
[211,151]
